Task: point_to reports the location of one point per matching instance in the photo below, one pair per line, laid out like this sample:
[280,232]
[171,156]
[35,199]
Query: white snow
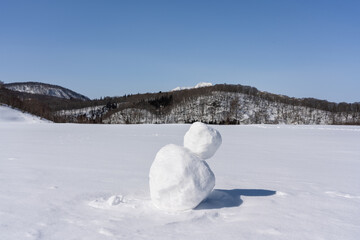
[203,84]
[199,85]
[66,181]
[179,180]
[10,115]
[202,140]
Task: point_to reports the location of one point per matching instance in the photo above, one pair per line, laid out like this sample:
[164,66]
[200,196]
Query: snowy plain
[68,181]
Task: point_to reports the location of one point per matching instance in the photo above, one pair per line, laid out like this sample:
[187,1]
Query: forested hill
[45,89]
[219,104]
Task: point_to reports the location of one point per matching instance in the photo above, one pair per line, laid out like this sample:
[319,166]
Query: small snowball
[115,200]
[179,180]
[202,140]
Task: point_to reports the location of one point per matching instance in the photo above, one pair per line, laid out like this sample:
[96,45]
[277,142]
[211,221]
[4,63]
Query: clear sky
[304,48]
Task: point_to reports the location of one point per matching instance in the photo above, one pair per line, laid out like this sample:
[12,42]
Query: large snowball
[179,180]
[202,140]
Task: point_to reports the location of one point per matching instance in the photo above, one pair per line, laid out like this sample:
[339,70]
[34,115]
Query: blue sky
[305,48]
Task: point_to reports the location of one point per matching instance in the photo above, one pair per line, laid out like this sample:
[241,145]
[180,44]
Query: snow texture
[202,140]
[69,181]
[179,180]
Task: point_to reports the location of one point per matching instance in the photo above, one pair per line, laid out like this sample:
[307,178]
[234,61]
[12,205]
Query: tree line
[156,103]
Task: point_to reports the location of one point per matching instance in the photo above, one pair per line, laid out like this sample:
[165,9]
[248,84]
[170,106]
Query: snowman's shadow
[221,198]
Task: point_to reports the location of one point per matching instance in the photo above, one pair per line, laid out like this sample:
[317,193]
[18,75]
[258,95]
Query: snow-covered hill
[10,115]
[236,108]
[68,181]
[219,104]
[45,89]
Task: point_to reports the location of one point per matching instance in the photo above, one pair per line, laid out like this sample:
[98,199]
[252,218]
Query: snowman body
[179,177]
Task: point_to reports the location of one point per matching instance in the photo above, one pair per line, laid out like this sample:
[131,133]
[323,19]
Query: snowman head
[202,140]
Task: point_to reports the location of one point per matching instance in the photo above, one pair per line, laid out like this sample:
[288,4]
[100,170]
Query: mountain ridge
[217,104]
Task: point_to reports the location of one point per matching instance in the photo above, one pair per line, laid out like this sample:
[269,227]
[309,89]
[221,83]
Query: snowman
[180,178]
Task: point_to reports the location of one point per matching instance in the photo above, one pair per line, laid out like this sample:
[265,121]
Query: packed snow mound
[10,115]
[199,85]
[202,140]
[179,180]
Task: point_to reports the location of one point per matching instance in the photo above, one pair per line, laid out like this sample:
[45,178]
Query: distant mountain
[45,89]
[199,85]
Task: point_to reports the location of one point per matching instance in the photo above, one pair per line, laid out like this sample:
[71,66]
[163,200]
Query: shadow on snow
[220,198]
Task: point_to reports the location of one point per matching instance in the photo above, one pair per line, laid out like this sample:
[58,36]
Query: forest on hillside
[162,104]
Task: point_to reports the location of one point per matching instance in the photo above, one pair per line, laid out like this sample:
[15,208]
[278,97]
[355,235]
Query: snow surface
[10,115]
[179,179]
[67,181]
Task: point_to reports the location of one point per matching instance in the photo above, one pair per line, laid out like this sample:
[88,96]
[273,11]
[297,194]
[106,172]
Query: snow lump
[202,140]
[180,179]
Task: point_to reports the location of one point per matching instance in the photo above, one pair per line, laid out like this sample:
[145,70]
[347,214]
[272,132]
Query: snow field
[65,181]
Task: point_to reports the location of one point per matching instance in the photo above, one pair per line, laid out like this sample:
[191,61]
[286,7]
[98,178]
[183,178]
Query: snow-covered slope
[10,115]
[67,181]
[45,89]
